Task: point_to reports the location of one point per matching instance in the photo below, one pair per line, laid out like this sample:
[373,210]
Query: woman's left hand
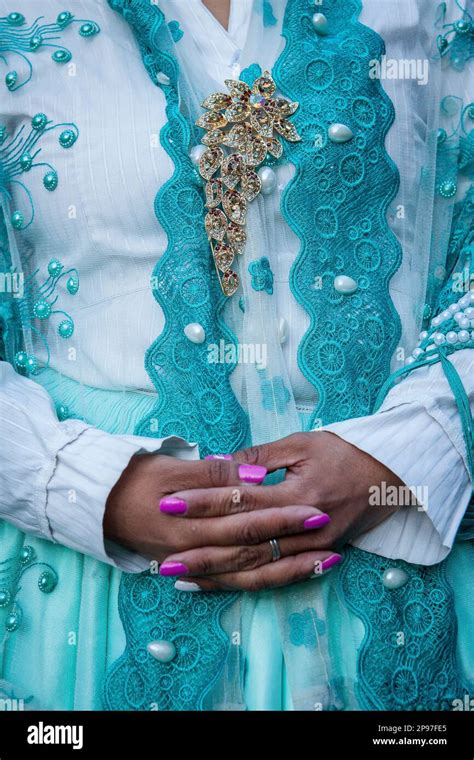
[322,471]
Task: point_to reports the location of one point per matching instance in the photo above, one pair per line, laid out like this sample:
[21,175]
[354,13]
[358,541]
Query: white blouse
[101,221]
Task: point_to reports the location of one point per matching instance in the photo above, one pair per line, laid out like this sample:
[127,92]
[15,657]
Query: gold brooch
[243,121]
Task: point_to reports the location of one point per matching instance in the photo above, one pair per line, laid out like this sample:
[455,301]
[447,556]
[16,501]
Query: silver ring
[275,547]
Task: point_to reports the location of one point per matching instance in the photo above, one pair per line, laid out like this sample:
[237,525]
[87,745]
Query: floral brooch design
[240,132]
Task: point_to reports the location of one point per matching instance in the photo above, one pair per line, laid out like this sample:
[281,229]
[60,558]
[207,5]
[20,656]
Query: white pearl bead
[163,651]
[464,301]
[394,577]
[196,153]
[340,133]
[471,296]
[446,314]
[345,284]
[320,23]
[268,178]
[410,360]
[439,339]
[423,335]
[469,312]
[463,323]
[417,352]
[453,307]
[162,78]
[458,315]
[195,332]
[283,330]
[436,321]
[463,336]
[452,337]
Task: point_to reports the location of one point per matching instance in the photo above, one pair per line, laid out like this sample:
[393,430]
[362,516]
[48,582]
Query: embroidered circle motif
[319,74]
[370,586]
[194,291]
[331,357]
[367,255]
[145,594]
[404,686]
[188,651]
[363,112]
[418,617]
[325,220]
[351,169]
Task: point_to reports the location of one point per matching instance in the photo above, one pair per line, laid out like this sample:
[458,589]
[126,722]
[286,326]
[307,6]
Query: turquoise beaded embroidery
[38,305]
[19,156]
[11,572]
[456,39]
[18,39]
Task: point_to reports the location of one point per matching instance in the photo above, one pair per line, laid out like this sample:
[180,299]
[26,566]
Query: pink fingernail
[316,522]
[173,568]
[334,559]
[219,456]
[252,473]
[173,506]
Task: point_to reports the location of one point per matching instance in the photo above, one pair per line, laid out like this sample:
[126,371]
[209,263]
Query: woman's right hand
[133,518]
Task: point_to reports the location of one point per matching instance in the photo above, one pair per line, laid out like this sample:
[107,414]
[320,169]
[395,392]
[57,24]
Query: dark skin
[223,537]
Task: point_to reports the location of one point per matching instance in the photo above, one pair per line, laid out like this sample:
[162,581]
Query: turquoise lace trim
[407,660]
[346,351]
[205,410]
[18,39]
[152,610]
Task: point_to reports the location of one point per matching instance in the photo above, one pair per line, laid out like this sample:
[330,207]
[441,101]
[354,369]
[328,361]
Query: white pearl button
[163,651]
[320,23]
[340,133]
[268,179]
[162,78]
[283,330]
[195,332]
[394,577]
[196,153]
[345,284]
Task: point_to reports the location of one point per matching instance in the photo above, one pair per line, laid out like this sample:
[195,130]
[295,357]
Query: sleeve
[56,476]
[418,435]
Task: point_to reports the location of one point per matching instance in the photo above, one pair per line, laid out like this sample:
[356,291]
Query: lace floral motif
[346,351]
[456,39]
[262,275]
[407,659]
